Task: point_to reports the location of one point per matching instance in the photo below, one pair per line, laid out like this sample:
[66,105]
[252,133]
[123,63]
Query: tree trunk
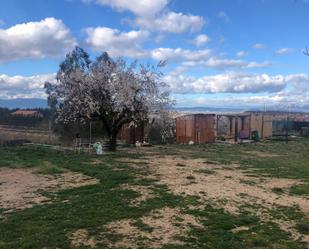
[112,142]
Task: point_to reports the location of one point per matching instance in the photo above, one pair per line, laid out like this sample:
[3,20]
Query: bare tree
[109,90]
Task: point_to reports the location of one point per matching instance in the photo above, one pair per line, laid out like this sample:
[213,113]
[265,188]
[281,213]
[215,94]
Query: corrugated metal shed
[198,128]
[243,124]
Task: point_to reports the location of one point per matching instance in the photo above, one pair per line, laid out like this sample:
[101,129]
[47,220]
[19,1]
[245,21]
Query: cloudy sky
[219,52]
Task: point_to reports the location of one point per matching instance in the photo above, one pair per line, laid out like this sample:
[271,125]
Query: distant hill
[240,109]
[23,103]
[208,109]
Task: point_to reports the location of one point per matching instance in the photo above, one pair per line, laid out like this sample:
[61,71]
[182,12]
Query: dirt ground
[22,188]
[226,185]
[164,225]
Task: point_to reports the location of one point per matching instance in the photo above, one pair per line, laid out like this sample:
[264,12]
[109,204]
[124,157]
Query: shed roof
[26,113]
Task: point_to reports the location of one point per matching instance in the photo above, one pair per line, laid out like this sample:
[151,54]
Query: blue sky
[219,52]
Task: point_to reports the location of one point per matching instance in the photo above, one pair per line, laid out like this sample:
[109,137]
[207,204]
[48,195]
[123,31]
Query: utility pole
[287,128]
[49,130]
[90,135]
[263,120]
[236,129]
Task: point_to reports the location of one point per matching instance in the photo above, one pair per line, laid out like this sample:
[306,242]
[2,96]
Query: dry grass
[34,136]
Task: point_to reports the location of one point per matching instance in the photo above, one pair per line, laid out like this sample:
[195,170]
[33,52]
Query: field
[9,133]
[173,197]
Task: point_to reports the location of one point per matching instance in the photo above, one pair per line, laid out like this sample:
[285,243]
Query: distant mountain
[199,109]
[23,103]
[240,109]
[276,108]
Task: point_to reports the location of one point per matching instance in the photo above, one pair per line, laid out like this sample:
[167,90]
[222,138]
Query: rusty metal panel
[205,129]
[198,128]
[131,133]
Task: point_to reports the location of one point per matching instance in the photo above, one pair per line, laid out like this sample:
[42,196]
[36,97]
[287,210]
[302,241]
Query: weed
[303,227]
[277,190]
[206,171]
[301,189]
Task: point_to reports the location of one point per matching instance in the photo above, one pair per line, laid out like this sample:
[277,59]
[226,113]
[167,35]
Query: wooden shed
[131,133]
[196,128]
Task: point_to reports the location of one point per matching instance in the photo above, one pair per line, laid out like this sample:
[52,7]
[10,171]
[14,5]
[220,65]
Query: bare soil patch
[228,182]
[260,153]
[228,187]
[133,160]
[145,193]
[20,188]
[81,238]
[164,227]
[166,224]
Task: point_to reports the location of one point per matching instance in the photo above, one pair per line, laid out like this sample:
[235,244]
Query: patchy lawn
[210,196]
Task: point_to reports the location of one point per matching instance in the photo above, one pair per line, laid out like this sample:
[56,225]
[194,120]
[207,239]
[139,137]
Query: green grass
[248,182]
[303,227]
[292,160]
[142,226]
[191,177]
[301,189]
[91,207]
[206,171]
[220,224]
[277,190]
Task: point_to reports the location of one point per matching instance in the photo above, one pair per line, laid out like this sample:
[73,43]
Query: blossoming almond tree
[106,89]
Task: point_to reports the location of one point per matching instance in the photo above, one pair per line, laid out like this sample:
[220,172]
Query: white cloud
[299,82]
[171,22]
[179,54]
[46,38]
[115,42]
[223,64]
[200,40]
[227,83]
[129,44]
[253,64]
[241,54]
[228,63]
[283,51]
[259,46]
[144,8]
[274,101]
[23,86]
[154,16]
[222,15]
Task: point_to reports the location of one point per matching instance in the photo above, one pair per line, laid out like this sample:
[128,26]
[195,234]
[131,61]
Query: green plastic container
[255,136]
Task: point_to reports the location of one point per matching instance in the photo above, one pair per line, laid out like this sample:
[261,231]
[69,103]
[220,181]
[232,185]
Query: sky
[219,53]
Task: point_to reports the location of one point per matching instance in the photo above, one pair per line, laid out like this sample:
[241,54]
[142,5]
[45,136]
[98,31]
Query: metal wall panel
[198,128]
